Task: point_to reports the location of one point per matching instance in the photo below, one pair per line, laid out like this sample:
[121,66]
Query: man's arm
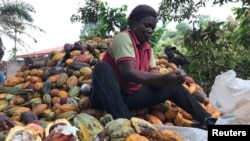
[128,71]
[184,57]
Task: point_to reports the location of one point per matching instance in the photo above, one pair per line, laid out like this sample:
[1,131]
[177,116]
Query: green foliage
[15,18]
[89,13]
[180,10]
[112,19]
[212,52]
[101,20]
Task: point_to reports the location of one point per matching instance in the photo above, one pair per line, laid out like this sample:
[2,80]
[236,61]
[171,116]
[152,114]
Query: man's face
[144,28]
[170,52]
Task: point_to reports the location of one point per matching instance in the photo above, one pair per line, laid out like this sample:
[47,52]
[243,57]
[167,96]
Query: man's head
[142,20]
[169,51]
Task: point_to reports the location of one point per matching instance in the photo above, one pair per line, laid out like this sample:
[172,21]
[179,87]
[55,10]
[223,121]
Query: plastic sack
[231,95]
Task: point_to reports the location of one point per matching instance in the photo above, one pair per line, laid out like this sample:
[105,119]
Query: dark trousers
[107,95]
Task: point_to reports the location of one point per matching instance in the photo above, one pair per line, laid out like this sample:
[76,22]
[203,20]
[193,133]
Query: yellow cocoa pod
[163,70]
[187,123]
[86,72]
[17,110]
[62,79]
[171,113]
[66,115]
[72,81]
[178,120]
[75,53]
[58,56]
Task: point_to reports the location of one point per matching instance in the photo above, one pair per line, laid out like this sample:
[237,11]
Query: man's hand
[6,122]
[177,52]
[176,77]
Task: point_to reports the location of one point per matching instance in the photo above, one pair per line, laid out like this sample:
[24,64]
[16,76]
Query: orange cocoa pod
[69,61]
[159,114]
[216,114]
[28,77]
[75,53]
[163,61]
[18,100]
[172,66]
[136,137]
[62,94]
[67,107]
[40,72]
[171,113]
[38,86]
[192,88]
[53,78]
[16,117]
[38,109]
[56,100]
[26,84]
[12,81]
[170,135]
[153,119]
[35,79]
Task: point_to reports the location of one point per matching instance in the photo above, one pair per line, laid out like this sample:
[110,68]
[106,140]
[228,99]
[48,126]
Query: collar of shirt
[143,46]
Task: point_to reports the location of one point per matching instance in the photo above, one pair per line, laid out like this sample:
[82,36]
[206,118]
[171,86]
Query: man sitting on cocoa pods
[127,79]
[175,56]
